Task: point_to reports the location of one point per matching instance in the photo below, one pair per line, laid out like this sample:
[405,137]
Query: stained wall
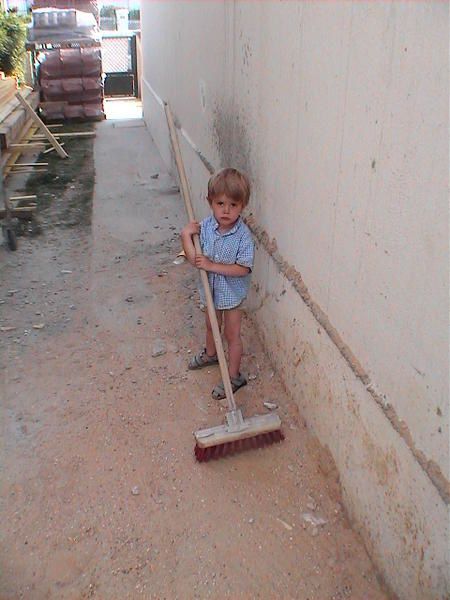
[339,113]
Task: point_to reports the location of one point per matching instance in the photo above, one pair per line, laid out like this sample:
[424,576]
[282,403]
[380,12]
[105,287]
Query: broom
[237,434]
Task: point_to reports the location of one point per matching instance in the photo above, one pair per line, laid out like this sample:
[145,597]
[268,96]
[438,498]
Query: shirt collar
[232,230]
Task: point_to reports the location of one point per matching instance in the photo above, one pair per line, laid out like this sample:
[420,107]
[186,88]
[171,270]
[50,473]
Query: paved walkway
[102,497]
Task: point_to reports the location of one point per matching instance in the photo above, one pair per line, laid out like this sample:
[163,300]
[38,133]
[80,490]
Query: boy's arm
[235,270]
[186,240]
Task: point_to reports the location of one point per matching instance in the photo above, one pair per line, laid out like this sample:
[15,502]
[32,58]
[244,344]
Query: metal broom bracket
[235,421]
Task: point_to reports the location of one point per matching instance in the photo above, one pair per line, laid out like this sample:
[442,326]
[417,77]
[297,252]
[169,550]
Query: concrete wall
[339,113]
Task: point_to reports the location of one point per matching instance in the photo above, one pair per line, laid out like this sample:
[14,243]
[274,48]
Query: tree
[13,34]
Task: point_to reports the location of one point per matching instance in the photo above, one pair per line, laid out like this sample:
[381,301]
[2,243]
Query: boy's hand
[191,228]
[202,262]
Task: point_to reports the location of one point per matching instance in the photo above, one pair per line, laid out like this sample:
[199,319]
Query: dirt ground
[101,495]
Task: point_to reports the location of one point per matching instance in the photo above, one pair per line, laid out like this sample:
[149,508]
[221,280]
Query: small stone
[129,299]
[6,329]
[11,292]
[135,490]
[154,176]
[270,405]
[285,525]
[252,377]
[314,531]
[159,348]
[39,326]
[314,520]
[251,520]
[66,272]
[311,504]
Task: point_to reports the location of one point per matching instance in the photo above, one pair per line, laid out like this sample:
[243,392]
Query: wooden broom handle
[203,275]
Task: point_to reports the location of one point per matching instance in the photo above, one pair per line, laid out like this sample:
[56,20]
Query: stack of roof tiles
[71,85]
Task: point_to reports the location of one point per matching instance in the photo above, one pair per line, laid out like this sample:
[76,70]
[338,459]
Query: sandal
[201,360]
[218,392]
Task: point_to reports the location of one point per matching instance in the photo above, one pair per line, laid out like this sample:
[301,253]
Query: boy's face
[226,211]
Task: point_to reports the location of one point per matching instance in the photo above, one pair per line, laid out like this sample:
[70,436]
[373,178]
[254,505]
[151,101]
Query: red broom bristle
[230,448]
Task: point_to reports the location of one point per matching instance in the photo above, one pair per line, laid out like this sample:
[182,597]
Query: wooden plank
[17,198]
[17,167]
[27,170]
[32,147]
[43,44]
[11,127]
[8,87]
[47,133]
[57,136]
[21,211]
[35,164]
[51,149]
[8,108]
[10,157]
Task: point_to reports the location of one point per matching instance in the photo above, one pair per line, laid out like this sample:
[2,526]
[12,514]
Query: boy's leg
[210,344]
[232,332]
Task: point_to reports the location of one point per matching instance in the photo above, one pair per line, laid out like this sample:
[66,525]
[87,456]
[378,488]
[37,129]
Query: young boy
[227,247]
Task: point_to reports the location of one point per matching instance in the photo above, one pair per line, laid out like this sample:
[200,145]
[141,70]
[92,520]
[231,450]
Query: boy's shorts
[242,306]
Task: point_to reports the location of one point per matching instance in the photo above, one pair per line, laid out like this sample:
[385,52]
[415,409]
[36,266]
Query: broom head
[237,435]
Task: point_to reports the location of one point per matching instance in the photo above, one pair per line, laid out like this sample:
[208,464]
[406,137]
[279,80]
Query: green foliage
[134,14]
[12,43]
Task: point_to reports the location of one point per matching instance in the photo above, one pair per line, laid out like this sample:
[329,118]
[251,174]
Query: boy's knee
[233,335]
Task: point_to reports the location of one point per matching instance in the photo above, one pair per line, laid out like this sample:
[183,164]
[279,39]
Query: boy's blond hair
[230,182]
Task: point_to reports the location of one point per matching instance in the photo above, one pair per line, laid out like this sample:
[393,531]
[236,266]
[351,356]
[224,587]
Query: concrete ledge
[391,501]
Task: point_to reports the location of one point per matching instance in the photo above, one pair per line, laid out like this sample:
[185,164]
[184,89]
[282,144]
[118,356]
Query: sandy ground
[101,495]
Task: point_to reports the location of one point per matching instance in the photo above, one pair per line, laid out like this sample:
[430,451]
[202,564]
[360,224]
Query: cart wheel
[11,239]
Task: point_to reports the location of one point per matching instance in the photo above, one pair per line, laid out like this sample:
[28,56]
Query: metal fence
[109,24]
[116,54]
[119,64]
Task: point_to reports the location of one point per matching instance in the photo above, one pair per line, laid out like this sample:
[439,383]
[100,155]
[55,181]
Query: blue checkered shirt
[233,247]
